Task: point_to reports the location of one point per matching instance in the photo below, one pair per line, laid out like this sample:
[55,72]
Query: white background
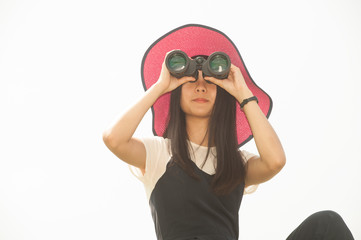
[68,68]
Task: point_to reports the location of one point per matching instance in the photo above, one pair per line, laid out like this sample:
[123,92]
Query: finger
[234,68]
[213,80]
[235,72]
[186,79]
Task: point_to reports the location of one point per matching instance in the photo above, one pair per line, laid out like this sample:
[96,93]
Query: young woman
[193,171]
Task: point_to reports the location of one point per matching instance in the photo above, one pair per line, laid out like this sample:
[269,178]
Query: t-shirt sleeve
[156,152]
[252,188]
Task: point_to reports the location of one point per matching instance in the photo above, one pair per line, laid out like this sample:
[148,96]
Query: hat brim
[196,39]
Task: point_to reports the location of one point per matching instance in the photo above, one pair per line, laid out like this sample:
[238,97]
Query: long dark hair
[230,170]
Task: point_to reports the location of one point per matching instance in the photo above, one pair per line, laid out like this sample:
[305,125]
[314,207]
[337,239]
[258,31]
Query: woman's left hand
[234,84]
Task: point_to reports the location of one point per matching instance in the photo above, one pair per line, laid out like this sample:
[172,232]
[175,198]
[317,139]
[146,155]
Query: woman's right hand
[169,82]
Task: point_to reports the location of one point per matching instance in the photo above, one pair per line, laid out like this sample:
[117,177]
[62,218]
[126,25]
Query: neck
[197,130]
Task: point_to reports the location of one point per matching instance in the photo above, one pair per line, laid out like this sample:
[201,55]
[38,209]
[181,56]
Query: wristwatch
[245,101]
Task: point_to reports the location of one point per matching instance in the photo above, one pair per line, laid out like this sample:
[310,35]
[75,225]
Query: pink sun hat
[196,39]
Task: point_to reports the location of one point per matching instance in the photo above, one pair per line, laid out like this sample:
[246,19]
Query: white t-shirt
[158,154]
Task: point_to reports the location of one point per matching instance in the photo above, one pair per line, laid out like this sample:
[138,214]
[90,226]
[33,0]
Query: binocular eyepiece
[216,65]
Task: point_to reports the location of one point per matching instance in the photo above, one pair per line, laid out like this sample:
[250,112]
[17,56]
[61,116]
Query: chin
[201,114]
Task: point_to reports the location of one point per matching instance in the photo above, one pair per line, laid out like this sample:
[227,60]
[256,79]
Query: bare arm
[272,156]
[123,128]
[266,139]
[118,137]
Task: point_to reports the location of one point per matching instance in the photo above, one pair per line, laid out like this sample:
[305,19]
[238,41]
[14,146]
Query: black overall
[184,208]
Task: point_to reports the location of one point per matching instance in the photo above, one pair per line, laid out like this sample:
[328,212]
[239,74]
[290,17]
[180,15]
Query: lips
[200,100]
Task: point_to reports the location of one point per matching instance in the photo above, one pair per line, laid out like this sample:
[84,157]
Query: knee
[327,217]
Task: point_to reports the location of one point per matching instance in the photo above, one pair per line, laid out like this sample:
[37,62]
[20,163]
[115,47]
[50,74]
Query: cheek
[214,92]
[186,92]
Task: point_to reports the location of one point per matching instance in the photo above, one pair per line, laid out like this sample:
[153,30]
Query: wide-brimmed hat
[196,39]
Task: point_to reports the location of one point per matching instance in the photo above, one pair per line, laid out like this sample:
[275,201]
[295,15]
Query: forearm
[266,139]
[125,124]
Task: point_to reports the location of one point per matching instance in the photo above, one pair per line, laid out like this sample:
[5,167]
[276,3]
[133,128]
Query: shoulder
[249,188]
[157,155]
[247,155]
[156,144]
[154,139]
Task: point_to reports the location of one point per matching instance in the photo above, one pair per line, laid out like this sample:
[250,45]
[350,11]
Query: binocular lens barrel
[219,64]
[177,62]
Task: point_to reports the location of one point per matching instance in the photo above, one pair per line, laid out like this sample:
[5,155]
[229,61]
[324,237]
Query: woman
[193,171]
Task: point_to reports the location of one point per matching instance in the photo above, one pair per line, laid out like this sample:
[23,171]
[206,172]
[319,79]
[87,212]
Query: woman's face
[198,98]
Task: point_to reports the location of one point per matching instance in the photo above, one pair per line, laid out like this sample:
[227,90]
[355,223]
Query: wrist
[161,87]
[247,101]
[244,95]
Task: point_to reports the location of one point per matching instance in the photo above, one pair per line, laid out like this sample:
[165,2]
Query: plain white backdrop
[69,68]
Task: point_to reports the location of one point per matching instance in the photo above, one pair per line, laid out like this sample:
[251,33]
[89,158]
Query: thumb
[186,79]
[213,80]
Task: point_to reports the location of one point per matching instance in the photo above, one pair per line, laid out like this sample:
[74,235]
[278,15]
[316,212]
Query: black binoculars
[216,65]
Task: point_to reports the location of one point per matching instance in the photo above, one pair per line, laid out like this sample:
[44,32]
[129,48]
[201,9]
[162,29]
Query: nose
[200,83]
